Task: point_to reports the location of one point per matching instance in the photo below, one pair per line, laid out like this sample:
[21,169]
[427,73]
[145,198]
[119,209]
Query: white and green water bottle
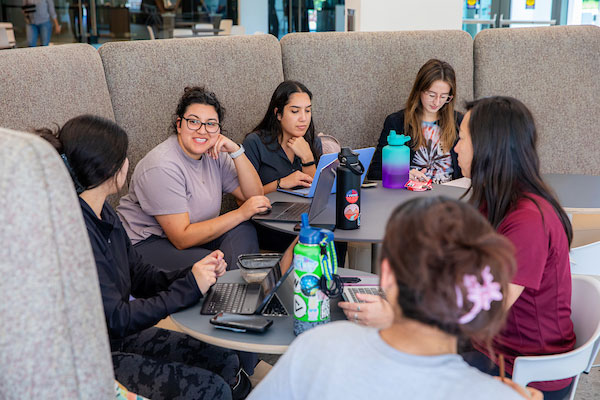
[315,263]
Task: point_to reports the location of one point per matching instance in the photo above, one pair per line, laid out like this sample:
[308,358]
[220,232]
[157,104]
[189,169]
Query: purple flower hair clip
[480,295]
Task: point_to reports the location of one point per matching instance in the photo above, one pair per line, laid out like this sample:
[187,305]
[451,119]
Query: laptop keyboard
[352,291]
[294,212]
[225,297]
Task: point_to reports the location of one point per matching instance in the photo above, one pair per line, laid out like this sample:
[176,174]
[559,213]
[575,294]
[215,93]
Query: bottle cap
[308,234]
[397,140]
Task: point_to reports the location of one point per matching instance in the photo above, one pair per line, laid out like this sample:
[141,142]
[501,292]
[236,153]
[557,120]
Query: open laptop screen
[271,283]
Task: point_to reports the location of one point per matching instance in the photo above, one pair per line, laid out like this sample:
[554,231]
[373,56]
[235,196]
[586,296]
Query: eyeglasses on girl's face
[444,97]
[195,125]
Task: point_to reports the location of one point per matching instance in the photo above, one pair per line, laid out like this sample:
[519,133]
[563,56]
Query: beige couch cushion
[555,71]
[147,78]
[53,337]
[50,85]
[357,79]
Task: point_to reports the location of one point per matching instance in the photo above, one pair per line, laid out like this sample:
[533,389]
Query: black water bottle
[347,204]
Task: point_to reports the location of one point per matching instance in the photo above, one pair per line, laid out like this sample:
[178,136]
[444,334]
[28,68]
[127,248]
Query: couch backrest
[43,86]
[555,71]
[147,78]
[53,337]
[357,79]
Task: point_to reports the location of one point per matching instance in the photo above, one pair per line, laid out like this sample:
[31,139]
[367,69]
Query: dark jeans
[480,361]
[161,252]
[163,364]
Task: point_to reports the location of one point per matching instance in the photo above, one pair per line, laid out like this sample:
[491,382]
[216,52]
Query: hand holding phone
[241,323]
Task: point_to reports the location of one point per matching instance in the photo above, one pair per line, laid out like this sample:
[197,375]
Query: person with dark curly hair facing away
[153,362]
[497,150]
[172,210]
[446,273]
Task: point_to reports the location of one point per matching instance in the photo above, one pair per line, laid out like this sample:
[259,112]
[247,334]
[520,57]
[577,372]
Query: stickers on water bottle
[351,212]
[325,310]
[304,264]
[299,306]
[352,196]
[309,285]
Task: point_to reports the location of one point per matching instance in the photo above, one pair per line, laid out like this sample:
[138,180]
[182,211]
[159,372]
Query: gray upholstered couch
[356,78]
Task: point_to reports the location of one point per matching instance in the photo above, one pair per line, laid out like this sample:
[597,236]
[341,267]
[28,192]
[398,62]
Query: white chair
[238,30]
[585,260]
[586,321]
[225,25]
[7,36]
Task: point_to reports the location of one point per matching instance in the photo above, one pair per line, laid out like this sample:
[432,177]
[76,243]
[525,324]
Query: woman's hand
[296,178]
[223,144]
[526,392]
[417,175]
[301,148]
[374,312]
[207,270]
[254,205]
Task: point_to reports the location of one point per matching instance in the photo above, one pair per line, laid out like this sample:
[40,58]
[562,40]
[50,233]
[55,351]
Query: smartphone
[241,323]
[368,184]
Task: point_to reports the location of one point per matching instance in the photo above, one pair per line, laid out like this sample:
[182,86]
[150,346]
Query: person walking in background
[39,16]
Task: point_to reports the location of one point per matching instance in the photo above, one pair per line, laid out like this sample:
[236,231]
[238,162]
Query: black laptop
[283,211]
[248,298]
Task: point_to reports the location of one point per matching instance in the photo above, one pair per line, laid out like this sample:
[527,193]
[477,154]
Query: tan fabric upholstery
[50,85]
[357,79]
[147,78]
[53,338]
[555,72]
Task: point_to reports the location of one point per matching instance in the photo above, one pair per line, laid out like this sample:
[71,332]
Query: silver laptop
[283,211]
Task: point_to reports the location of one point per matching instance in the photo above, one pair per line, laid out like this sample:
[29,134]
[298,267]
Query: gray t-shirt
[168,181]
[342,360]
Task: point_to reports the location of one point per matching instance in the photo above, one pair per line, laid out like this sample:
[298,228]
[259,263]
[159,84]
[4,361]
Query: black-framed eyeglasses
[196,124]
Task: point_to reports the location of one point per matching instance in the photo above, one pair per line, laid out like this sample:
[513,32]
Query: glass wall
[305,16]
[99,21]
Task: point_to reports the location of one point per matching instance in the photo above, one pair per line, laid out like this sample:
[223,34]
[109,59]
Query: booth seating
[50,306]
[357,79]
[53,337]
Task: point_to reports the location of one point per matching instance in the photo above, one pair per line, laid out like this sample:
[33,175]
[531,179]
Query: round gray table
[578,194]
[376,205]
[275,340]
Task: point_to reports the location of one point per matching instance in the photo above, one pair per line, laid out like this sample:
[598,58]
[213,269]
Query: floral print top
[431,157]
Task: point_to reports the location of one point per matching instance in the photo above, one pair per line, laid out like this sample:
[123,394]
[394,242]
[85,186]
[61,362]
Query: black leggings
[163,364]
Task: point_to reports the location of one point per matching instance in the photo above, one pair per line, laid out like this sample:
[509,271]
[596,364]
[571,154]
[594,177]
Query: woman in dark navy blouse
[283,147]
[150,361]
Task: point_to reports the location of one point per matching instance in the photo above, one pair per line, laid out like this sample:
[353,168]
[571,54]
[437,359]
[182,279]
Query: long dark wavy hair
[431,243]
[505,166]
[269,129]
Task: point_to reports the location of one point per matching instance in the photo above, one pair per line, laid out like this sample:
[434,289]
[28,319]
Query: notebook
[284,211]
[364,155]
[367,285]
[248,298]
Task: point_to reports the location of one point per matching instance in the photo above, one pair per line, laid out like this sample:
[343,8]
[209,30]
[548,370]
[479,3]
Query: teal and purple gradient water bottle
[396,161]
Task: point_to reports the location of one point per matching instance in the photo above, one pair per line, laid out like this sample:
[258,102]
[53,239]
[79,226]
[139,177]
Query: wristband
[308,164]
[237,153]
[278,182]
